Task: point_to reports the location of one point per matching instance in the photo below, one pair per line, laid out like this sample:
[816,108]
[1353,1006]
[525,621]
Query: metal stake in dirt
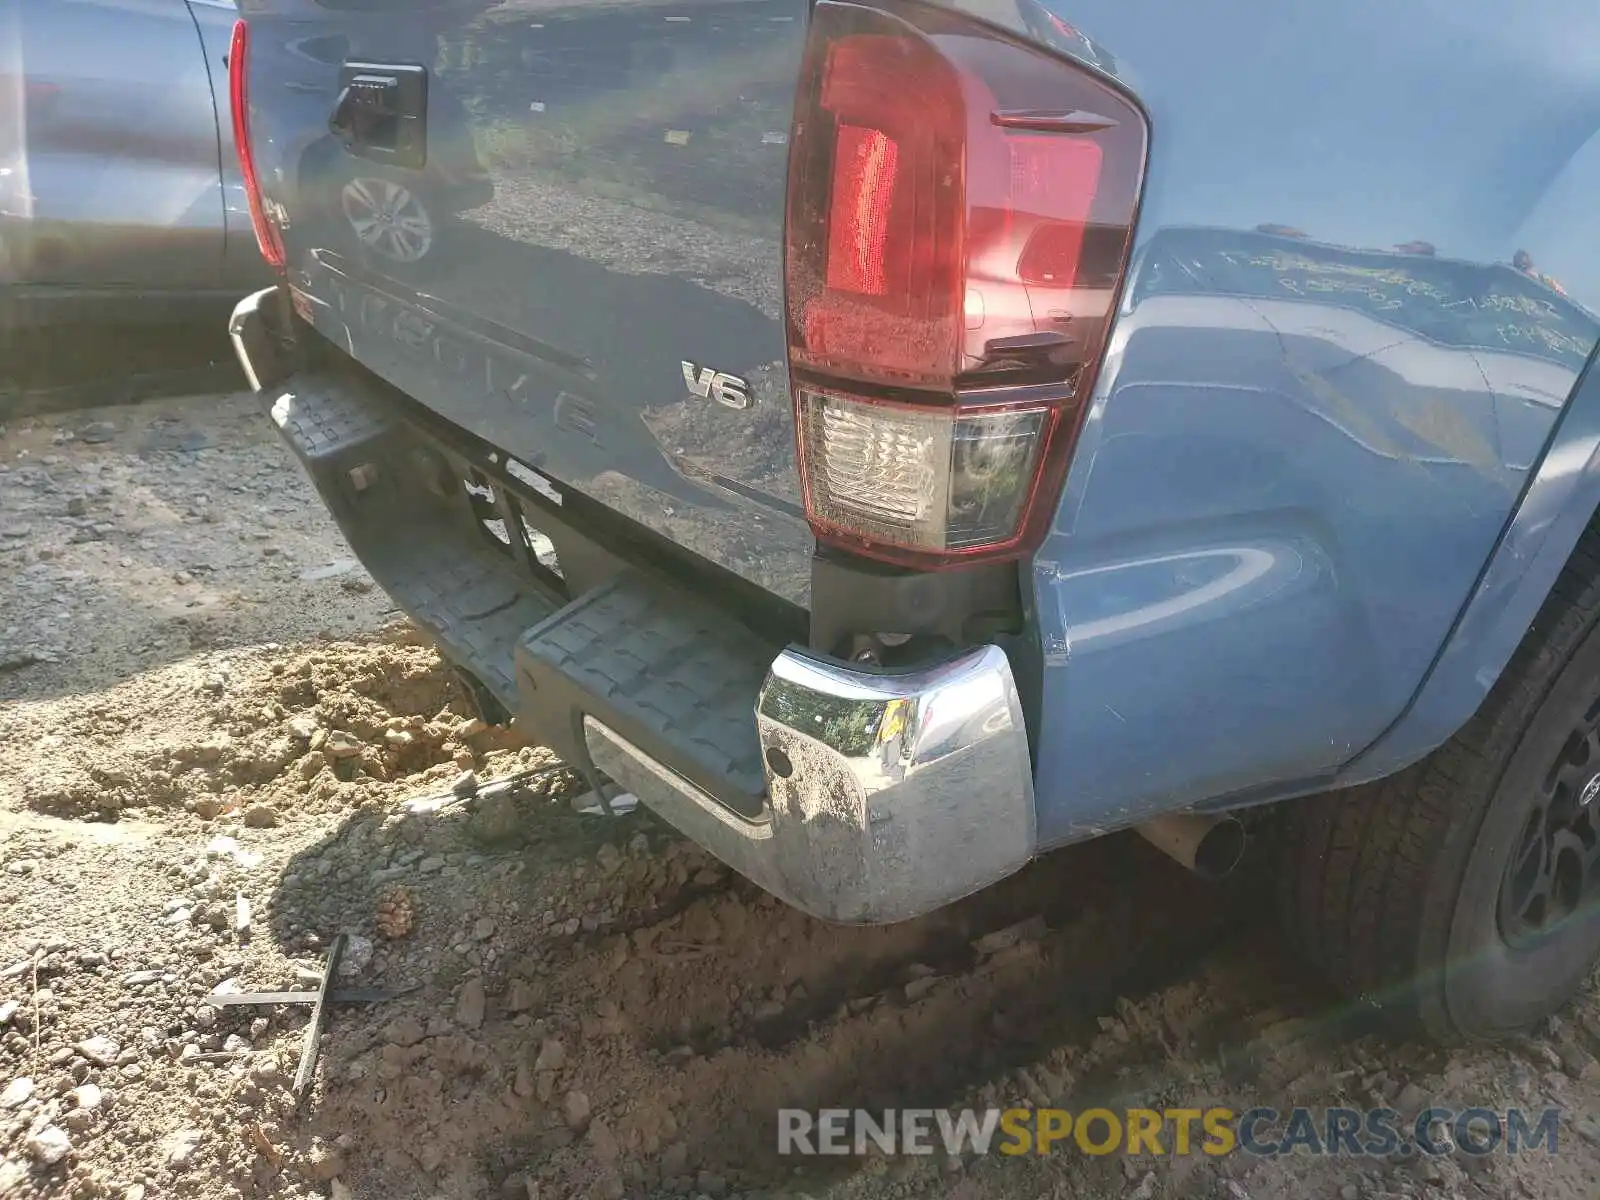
[319,1019]
[320,1000]
[342,996]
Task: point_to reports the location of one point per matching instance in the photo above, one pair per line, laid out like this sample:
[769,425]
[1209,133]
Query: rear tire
[1463,894]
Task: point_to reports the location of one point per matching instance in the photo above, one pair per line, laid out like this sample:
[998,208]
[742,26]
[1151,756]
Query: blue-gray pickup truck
[892,440]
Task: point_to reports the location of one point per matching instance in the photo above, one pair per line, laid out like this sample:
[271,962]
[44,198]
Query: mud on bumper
[855,794]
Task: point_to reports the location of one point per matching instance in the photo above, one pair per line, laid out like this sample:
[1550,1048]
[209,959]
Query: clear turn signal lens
[934,480]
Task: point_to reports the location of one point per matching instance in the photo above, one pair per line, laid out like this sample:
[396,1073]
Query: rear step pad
[665,670]
[429,558]
[321,421]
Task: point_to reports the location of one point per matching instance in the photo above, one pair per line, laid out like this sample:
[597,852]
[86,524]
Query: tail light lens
[267,236]
[959,214]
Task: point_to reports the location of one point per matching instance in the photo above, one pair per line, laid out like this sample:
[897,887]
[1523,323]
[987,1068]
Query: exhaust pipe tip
[1211,847]
[1220,849]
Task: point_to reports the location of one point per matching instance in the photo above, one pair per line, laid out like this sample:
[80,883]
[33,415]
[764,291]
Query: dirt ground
[211,730]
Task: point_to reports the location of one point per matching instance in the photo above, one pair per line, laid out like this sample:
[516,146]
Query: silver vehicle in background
[120,195]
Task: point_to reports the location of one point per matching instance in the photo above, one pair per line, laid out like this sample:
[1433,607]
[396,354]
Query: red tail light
[959,214]
[239,101]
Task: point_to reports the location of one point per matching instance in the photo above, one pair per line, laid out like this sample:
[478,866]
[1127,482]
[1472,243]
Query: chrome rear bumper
[888,795]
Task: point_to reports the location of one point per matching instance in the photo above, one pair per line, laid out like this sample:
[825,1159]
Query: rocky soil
[214,737]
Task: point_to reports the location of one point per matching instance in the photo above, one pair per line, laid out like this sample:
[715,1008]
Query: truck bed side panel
[1348,334]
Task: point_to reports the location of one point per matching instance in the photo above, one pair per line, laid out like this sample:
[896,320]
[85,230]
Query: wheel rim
[387,218]
[1554,869]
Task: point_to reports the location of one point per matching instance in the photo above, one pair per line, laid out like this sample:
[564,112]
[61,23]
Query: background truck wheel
[392,219]
[389,220]
[1463,894]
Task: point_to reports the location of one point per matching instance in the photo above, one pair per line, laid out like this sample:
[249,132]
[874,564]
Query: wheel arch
[1560,499]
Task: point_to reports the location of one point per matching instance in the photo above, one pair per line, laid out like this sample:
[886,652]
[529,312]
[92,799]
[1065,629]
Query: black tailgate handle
[382,112]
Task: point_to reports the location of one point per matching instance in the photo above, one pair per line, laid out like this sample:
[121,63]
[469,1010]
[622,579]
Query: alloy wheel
[387,218]
[1554,869]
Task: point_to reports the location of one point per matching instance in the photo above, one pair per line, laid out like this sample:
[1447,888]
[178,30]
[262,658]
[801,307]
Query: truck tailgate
[576,253]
